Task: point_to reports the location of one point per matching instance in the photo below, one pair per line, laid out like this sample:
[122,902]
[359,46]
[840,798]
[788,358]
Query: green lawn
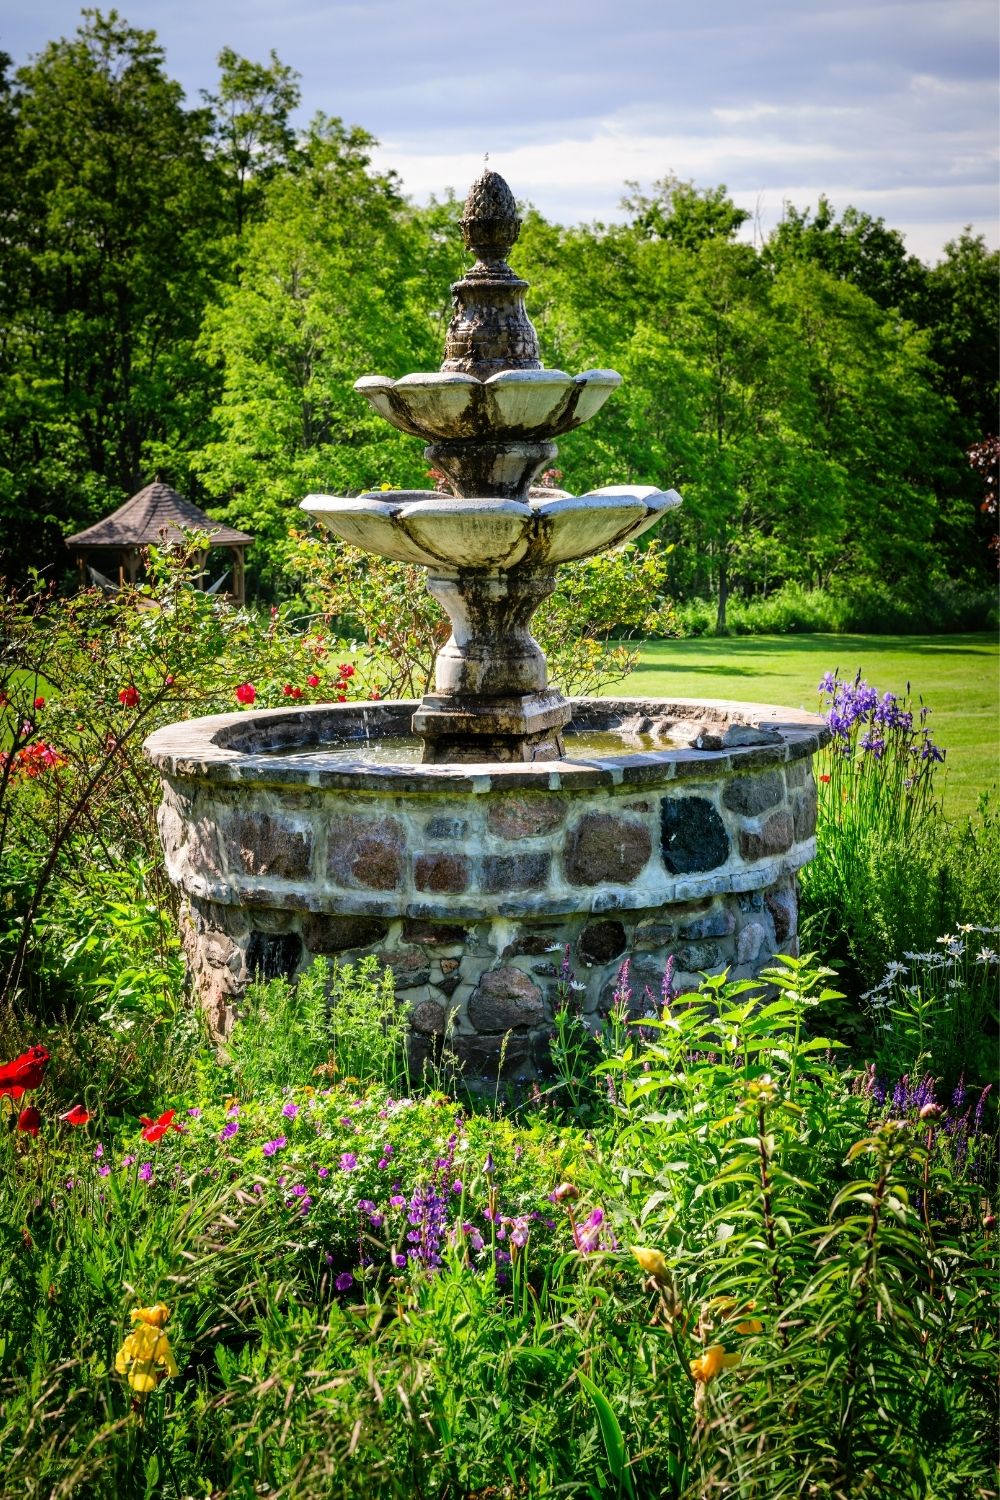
[957,676]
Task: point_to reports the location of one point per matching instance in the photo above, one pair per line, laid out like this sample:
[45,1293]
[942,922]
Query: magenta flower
[270,1147]
[290,1110]
[344,1281]
[146,1171]
[348,1161]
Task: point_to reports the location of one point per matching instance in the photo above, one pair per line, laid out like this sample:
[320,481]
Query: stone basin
[513,404]
[470,880]
[420,526]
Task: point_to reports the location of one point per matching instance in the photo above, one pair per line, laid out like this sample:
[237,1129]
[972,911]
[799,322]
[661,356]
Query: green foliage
[889,873]
[83,681]
[867,607]
[336,1021]
[108,265]
[331,288]
[810,1317]
[386,605]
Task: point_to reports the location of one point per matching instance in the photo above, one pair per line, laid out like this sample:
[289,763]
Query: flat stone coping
[226,748]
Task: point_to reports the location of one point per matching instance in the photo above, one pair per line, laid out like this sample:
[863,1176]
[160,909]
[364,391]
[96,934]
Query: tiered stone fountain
[467,838]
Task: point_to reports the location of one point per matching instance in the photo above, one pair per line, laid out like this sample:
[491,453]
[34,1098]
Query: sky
[893,107]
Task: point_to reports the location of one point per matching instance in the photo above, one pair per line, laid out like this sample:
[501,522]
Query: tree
[112,256]
[682,214]
[963,311]
[856,248]
[252,137]
[333,287]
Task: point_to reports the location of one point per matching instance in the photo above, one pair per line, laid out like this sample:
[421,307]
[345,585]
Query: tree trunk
[720,618]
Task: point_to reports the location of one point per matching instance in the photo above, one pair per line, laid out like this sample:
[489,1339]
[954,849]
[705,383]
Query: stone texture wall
[470,885]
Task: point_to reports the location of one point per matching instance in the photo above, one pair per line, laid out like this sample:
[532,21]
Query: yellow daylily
[712,1363]
[728,1308]
[652,1262]
[145,1356]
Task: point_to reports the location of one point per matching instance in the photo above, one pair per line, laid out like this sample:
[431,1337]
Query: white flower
[986,956]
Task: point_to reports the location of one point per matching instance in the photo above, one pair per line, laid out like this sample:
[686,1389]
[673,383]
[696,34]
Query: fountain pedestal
[491,700]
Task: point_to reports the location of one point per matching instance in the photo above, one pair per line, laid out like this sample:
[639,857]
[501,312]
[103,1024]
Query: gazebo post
[238,590]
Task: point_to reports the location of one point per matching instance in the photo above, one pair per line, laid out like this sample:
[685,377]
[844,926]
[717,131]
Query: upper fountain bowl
[514,405]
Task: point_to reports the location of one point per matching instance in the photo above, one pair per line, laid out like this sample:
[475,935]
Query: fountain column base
[491,699]
[525,728]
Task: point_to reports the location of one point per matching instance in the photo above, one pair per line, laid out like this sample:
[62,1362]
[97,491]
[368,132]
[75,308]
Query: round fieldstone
[750,795]
[719,922]
[367,853]
[600,942]
[696,957]
[604,847]
[437,934]
[528,871]
[410,966]
[322,933]
[804,812]
[523,817]
[505,1000]
[693,835]
[428,1018]
[441,873]
[782,905]
[773,837]
[266,845]
[749,943]
[490,1057]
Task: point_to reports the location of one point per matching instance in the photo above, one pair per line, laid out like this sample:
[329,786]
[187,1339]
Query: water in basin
[407,749]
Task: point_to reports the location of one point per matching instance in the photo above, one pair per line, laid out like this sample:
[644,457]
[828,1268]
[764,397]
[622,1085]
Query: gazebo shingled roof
[156,514]
[139,521]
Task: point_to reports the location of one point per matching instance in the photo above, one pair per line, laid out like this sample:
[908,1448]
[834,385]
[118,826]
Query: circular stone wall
[469,881]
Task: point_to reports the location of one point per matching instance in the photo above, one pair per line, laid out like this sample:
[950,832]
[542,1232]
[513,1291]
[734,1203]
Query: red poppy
[25,1072]
[129,696]
[246,692]
[75,1116]
[29,1119]
[159,1127]
[824,778]
[39,702]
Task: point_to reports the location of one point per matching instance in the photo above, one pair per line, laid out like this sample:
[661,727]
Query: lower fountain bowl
[670,828]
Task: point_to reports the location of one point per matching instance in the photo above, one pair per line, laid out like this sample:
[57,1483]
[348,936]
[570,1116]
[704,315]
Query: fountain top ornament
[489,416]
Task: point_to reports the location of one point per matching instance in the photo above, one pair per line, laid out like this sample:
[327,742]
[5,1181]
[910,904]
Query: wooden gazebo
[156,516]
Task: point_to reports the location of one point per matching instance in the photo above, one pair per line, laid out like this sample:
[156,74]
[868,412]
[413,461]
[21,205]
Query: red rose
[287,689]
[246,692]
[168,681]
[313,680]
[25,1072]
[39,702]
[75,1116]
[129,696]
[296,692]
[29,1119]
[375,696]
[159,1127]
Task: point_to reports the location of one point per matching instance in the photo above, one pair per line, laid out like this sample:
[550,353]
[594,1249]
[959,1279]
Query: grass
[956,675]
